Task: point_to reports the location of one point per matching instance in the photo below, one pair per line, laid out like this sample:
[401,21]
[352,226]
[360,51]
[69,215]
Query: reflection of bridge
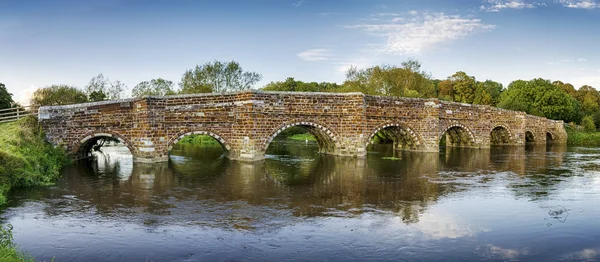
[245,123]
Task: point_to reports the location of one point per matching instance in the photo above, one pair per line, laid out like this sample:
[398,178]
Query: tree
[445,91]
[218,77]
[101,88]
[588,124]
[6,100]
[568,88]
[386,80]
[58,95]
[292,85]
[464,87]
[542,98]
[154,87]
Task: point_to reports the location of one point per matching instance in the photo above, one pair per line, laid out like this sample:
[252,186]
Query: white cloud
[23,97]
[566,61]
[582,4]
[438,225]
[417,33]
[497,5]
[496,252]
[298,3]
[587,254]
[315,55]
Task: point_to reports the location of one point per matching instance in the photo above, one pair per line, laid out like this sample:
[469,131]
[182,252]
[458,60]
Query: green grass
[582,138]
[202,140]
[302,137]
[8,249]
[26,159]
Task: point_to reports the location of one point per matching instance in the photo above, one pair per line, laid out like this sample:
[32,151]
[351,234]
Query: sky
[45,42]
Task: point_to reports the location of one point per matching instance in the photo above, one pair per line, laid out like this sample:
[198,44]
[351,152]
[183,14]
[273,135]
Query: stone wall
[245,123]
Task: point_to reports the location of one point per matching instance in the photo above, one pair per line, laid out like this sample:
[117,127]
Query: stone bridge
[245,123]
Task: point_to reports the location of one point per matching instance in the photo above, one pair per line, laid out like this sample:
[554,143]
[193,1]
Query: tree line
[541,97]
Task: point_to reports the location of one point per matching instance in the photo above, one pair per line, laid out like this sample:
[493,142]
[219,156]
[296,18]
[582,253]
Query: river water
[507,203]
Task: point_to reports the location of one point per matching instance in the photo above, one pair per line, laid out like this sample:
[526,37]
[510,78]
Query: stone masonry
[246,122]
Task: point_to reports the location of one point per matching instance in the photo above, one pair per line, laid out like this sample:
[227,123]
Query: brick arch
[412,134]
[183,134]
[510,133]
[471,136]
[322,129]
[532,135]
[551,134]
[82,140]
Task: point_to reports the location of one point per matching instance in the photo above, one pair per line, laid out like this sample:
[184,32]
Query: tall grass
[578,137]
[26,159]
[8,249]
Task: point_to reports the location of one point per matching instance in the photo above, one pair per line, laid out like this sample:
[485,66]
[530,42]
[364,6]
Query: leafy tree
[568,88]
[588,124]
[103,89]
[218,77]
[97,96]
[464,87]
[292,85]
[589,98]
[6,100]
[58,95]
[445,90]
[154,87]
[540,97]
[388,80]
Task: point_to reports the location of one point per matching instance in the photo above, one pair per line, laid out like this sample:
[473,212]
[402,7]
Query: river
[507,203]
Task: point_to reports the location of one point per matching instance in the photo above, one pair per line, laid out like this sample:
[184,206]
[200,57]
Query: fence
[15,113]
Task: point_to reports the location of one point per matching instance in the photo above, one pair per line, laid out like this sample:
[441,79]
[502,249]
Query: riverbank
[26,159]
[581,138]
[8,249]
[302,137]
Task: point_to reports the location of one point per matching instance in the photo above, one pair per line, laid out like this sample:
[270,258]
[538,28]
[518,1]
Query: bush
[588,124]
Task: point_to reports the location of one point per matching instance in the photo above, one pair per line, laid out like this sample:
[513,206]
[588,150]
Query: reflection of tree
[333,186]
[541,173]
[200,186]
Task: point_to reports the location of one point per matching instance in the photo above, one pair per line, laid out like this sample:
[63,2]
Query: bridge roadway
[245,123]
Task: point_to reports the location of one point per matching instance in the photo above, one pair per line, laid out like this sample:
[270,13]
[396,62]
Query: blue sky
[70,41]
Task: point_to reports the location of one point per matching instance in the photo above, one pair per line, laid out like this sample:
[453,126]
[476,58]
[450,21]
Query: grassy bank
[8,249]
[26,159]
[302,137]
[578,137]
[204,140]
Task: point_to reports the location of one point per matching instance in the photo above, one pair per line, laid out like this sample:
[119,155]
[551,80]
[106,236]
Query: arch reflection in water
[199,184]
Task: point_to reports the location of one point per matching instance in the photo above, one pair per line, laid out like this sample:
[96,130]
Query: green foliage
[6,100]
[387,80]
[576,137]
[8,249]
[291,85]
[217,77]
[464,87]
[204,140]
[96,96]
[540,97]
[26,159]
[102,85]
[588,124]
[57,95]
[302,137]
[154,87]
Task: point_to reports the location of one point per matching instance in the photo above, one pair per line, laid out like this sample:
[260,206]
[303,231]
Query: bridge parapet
[245,123]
